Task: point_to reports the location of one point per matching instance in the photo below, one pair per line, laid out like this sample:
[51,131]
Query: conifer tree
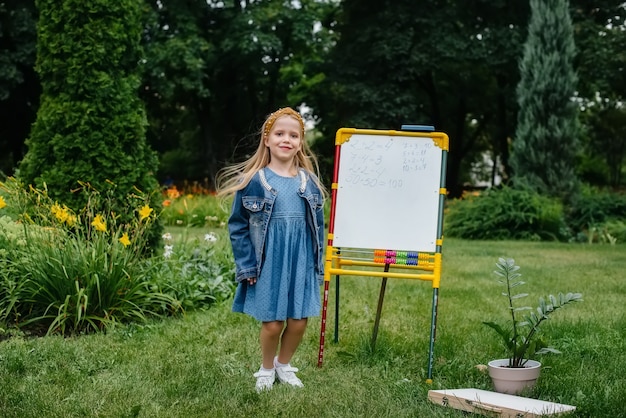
[91,124]
[546,141]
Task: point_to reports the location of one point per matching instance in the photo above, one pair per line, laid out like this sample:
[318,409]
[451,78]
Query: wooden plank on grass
[495,404]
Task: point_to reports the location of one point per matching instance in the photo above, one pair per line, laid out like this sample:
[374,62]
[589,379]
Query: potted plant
[521,337]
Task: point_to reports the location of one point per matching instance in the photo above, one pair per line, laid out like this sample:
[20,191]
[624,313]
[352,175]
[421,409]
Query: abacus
[408,258]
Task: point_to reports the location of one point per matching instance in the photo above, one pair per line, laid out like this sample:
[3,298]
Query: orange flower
[173,193]
[167,202]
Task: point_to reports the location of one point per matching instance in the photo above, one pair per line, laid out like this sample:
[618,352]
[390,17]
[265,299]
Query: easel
[347,249]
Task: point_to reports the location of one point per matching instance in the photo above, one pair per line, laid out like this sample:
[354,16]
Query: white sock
[279,364]
[263,369]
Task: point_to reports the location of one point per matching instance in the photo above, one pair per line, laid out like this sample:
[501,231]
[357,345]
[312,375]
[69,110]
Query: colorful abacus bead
[380,253]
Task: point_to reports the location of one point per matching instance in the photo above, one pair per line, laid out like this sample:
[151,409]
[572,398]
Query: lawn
[201,365]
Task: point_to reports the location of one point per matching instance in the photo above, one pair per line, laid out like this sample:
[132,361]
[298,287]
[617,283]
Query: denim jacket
[249,219]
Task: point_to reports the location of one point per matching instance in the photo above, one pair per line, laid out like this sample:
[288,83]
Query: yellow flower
[144,212]
[99,223]
[124,240]
[2,202]
[63,214]
[55,209]
[60,213]
[71,219]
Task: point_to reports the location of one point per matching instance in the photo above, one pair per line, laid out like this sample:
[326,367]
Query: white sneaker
[287,374]
[264,380]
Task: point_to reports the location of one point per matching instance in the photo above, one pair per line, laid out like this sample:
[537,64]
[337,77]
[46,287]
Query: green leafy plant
[521,337]
[75,272]
[192,210]
[506,213]
[597,216]
[196,272]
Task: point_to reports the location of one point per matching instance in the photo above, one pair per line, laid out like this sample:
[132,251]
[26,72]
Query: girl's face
[284,140]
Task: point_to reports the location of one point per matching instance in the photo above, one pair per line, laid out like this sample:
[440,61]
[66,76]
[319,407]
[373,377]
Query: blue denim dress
[288,286]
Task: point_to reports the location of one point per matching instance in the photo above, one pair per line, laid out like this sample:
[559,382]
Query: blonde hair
[237,176]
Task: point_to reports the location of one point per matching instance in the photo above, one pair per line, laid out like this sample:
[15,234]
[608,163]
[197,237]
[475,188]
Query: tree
[19,86]
[546,141]
[91,125]
[605,155]
[214,70]
[600,35]
[452,65]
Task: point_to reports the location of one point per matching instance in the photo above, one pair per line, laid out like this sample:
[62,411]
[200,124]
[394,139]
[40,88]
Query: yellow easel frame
[428,265]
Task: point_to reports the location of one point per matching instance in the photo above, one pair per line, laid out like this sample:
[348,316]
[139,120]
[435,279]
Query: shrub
[197,273]
[74,272]
[91,123]
[596,213]
[11,237]
[609,232]
[505,213]
[192,210]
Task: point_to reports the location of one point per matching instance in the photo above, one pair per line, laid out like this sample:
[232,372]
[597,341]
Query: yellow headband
[285,111]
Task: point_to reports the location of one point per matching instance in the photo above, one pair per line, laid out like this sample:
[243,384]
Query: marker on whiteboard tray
[418,128]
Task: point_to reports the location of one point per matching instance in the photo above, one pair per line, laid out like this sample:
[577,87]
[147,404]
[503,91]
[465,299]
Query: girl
[277,230]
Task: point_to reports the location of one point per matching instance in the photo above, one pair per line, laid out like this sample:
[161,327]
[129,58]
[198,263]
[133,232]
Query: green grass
[201,365]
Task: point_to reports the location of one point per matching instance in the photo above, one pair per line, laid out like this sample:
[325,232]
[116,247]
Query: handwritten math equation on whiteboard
[386,162]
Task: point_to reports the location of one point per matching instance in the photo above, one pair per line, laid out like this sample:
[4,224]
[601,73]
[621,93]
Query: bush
[11,237]
[193,210]
[505,213]
[74,272]
[91,123]
[597,213]
[196,273]
[609,232]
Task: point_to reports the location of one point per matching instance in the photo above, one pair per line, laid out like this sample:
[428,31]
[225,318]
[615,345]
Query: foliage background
[211,71]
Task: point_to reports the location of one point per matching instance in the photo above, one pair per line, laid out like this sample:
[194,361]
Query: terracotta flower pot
[513,380]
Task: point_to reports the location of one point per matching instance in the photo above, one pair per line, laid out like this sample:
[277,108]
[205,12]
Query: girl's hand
[251,281]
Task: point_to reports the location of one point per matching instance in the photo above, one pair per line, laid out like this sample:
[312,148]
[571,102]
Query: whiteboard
[387,196]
